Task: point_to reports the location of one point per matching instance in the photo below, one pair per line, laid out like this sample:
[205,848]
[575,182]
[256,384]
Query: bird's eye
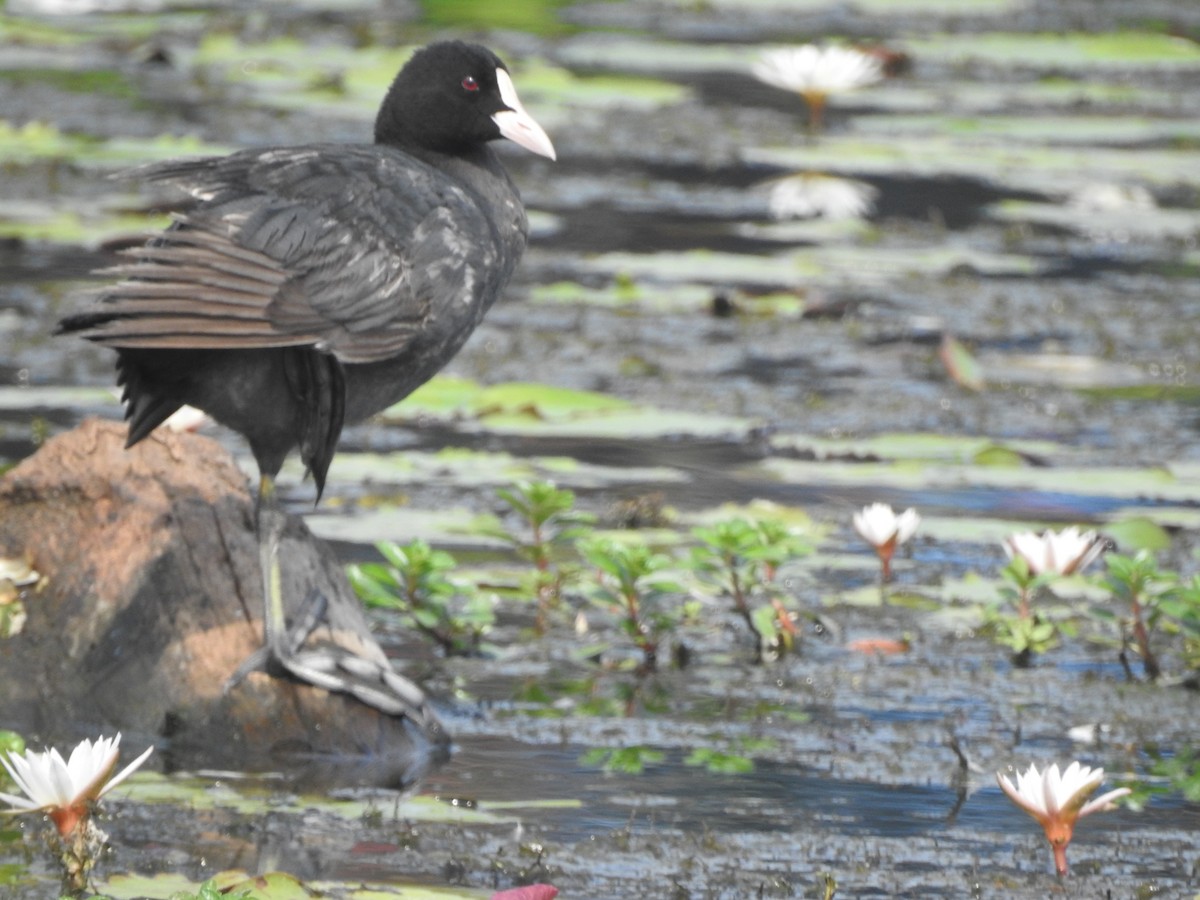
[469,84]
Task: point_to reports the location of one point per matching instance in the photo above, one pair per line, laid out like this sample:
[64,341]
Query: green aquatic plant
[1138,581]
[416,581]
[622,760]
[740,558]
[1035,563]
[1026,633]
[550,525]
[1180,611]
[719,762]
[1025,636]
[633,579]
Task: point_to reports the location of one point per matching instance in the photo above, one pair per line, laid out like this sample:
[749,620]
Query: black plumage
[304,287]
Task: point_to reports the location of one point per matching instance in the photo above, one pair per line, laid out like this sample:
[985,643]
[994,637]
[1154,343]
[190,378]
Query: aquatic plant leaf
[961,365]
[1126,49]
[271,886]
[995,455]
[1137,533]
[160,886]
[719,762]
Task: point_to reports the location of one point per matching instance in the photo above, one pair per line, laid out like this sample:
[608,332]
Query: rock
[150,599]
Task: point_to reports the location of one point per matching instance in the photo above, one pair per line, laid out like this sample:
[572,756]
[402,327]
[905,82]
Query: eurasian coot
[314,285]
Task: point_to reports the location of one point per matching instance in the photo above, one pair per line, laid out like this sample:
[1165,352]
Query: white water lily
[810,67]
[1058,801]
[66,789]
[880,527]
[1055,552]
[808,195]
[816,72]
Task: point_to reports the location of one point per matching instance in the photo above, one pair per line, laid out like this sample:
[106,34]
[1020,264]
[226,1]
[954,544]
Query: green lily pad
[161,886]
[832,265]
[255,797]
[271,886]
[1127,49]
[1137,533]
[900,8]
[1102,481]
[916,446]
[1049,129]
[402,524]
[529,16]
[20,30]
[655,298]
[1051,170]
[543,84]
[443,396]
[38,141]
[92,81]
[38,397]
[1184,517]
[44,223]
[536,409]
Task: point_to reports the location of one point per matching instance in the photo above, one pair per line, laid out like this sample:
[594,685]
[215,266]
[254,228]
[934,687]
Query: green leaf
[1138,533]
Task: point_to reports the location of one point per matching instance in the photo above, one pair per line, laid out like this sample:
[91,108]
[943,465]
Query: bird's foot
[338,670]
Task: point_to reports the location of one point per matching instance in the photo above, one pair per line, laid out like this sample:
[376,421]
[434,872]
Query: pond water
[1036,198]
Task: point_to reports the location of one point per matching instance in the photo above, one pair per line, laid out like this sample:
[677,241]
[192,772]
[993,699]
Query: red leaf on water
[529,892]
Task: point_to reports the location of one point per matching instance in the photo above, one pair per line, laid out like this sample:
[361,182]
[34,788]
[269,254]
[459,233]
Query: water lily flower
[1059,801]
[885,531]
[816,72]
[808,195]
[1055,552]
[66,790]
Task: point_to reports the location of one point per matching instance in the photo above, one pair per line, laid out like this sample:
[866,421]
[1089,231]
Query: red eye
[469,84]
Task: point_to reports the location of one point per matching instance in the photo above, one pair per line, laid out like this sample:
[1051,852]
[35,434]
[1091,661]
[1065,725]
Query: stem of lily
[1060,859]
[1149,660]
[1023,604]
[816,111]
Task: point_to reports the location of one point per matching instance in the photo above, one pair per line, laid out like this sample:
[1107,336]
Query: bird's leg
[331,668]
[269,524]
[279,645]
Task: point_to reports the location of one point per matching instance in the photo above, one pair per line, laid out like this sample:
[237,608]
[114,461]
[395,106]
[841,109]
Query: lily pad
[1100,481]
[160,886]
[837,265]
[38,141]
[916,446]
[1048,129]
[1149,224]
[1019,166]
[537,409]
[46,223]
[899,8]
[1137,533]
[1125,49]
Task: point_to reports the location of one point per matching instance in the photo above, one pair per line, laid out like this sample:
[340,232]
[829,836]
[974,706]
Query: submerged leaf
[962,367]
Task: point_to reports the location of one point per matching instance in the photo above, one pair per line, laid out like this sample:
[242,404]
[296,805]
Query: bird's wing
[352,252]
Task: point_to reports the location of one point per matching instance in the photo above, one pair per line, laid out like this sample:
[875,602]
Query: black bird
[309,286]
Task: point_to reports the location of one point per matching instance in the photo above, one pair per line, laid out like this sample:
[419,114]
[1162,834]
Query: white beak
[516,124]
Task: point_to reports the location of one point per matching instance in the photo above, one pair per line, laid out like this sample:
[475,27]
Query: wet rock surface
[150,600]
